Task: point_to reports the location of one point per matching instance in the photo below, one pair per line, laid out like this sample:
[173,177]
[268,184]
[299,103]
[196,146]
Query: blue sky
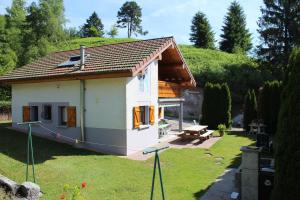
[160,18]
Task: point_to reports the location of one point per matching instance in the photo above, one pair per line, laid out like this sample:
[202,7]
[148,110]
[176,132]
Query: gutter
[82,96]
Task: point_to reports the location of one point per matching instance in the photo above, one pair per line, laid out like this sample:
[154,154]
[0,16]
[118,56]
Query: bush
[269,105]
[250,109]
[216,106]
[287,140]
[222,128]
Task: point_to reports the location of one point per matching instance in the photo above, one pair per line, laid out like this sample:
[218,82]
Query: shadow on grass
[14,145]
[235,163]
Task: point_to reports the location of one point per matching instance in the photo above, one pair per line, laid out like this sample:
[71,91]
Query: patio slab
[174,142]
[222,188]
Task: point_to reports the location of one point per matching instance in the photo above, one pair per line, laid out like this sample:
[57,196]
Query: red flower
[83,185]
[62,196]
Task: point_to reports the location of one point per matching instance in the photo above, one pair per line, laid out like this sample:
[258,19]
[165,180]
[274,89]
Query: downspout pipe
[82,95]
[82,110]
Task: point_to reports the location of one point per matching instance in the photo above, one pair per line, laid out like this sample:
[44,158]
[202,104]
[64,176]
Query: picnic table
[257,128]
[196,132]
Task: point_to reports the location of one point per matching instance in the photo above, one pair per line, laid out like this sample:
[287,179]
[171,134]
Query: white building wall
[105,103]
[64,91]
[138,139]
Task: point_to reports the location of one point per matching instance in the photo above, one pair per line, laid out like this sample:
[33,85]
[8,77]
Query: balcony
[168,90]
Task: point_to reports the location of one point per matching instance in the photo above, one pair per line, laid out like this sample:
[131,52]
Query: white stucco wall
[105,103]
[64,91]
[141,138]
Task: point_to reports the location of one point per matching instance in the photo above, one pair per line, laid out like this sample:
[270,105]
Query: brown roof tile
[127,56]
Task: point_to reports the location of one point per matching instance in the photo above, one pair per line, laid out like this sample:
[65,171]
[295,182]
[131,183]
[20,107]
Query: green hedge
[5,105]
[269,105]
[287,140]
[250,109]
[216,107]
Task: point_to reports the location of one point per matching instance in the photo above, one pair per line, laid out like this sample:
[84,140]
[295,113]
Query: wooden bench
[206,135]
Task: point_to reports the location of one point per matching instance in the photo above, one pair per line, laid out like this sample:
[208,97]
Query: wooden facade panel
[168,90]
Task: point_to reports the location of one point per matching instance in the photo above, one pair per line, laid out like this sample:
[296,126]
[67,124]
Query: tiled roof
[120,57]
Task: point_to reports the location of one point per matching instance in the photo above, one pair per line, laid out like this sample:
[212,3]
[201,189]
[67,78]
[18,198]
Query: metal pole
[32,157]
[160,177]
[27,164]
[153,178]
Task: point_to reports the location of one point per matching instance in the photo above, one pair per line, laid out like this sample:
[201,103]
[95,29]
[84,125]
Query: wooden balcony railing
[168,89]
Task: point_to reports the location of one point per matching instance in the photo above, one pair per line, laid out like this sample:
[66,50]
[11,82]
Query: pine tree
[93,27]
[130,17]
[201,33]
[279,32]
[250,109]
[287,140]
[235,37]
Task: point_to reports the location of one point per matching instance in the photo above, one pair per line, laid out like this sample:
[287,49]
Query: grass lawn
[187,173]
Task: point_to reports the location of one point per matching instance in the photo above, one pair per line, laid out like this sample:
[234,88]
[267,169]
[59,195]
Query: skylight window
[73,60]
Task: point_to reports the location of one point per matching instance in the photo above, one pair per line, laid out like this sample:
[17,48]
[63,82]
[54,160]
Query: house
[109,97]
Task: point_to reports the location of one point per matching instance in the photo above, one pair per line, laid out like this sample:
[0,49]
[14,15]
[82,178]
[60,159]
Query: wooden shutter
[71,110]
[151,114]
[136,117]
[26,113]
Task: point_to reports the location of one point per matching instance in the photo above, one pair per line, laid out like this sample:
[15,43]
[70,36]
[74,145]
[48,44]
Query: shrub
[250,108]
[222,128]
[287,140]
[269,105]
[216,106]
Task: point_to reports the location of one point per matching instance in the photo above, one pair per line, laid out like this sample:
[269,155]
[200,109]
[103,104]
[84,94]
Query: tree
[130,17]
[287,140]
[225,112]
[14,24]
[235,37]
[113,32]
[201,33]
[216,106]
[250,108]
[279,32]
[269,105]
[93,27]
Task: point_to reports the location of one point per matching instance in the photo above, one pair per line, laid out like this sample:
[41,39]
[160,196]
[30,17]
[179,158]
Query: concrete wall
[138,139]
[192,106]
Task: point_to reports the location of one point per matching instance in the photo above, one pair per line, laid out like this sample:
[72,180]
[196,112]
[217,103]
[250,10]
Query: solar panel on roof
[73,60]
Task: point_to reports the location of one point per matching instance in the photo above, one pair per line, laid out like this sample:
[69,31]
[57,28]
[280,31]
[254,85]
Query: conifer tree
[130,17]
[235,37]
[93,27]
[287,140]
[201,33]
[250,109]
[279,32]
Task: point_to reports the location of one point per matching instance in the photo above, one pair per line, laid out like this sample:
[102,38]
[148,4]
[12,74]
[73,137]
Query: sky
[160,17]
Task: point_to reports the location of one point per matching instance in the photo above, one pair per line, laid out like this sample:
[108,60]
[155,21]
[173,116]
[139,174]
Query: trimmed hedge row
[250,109]
[216,106]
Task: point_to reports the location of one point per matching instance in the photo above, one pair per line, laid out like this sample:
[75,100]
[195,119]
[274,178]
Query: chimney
[82,57]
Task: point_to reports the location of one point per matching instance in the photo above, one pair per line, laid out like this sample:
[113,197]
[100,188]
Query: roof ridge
[168,37]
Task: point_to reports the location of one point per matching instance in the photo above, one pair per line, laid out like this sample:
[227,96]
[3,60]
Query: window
[47,112]
[62,112]
[144,81]
[73,60]
[34,113]
[144,111]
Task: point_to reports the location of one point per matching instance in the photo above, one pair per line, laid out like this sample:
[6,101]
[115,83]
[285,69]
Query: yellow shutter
[26,113]
[152,116]
[71,110]
[136,117]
